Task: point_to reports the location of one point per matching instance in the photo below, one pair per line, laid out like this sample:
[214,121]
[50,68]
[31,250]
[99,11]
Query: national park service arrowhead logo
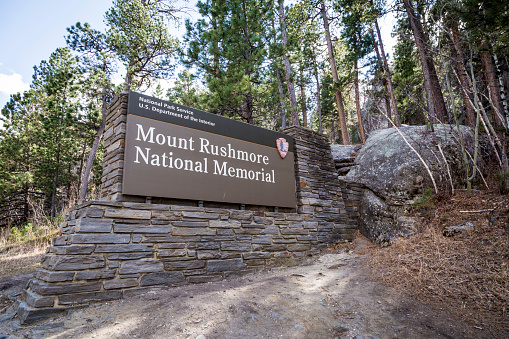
[282,147]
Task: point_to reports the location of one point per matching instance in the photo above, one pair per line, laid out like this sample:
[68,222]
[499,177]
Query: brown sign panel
[177,152]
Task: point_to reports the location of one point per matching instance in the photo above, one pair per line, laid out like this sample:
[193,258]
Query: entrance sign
[174,151]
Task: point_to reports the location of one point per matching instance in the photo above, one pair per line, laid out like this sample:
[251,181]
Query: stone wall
[352,194]
[111,249]
[118,246]
[351,191]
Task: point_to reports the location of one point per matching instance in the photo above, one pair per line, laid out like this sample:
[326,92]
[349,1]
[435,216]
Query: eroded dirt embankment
[331,296]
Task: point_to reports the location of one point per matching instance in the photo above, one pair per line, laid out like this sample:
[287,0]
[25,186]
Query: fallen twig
[479,211]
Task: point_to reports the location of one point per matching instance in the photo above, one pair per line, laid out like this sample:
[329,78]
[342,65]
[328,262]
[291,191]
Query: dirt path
[332,296]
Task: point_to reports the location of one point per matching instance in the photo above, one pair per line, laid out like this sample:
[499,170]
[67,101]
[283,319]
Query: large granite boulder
[395,178]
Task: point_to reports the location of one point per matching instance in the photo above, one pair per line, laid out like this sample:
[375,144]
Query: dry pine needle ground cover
[467,273]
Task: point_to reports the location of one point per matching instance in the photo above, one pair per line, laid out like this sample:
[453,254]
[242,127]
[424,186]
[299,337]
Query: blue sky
[30,30]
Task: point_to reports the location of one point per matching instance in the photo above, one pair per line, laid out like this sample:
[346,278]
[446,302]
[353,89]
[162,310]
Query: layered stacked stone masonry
[110,249]
[351,193]
[115,247]
[318,189]
[114,148]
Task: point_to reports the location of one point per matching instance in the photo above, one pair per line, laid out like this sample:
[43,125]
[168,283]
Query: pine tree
[56,80]
[355,19]
[332,60]
[138,37]
[186,92]
[96,55]
[408,78]
[436,104]
[228,45]
[17,158]
[288,67]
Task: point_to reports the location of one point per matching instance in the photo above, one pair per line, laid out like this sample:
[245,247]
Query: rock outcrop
[394,177]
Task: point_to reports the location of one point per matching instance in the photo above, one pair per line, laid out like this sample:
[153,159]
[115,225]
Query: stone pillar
[352,193]
[114,147]
[318,189]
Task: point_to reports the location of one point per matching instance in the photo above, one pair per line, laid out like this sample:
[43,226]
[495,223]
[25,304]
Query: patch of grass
[39,231]
[21,249]
[21,258]
[426,199]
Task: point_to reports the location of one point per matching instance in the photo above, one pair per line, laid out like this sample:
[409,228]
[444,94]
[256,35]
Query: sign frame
[229,161]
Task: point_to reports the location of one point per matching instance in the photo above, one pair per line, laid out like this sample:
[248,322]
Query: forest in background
[319,64]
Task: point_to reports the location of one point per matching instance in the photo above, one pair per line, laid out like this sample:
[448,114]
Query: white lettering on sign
[145,155]
[228,151]
[235,172]
[167,160]
[163,139]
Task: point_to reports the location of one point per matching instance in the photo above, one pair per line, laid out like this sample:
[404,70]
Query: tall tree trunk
[466,88]
[436,103]
[302,86]
[388,76]
[339,98]
[93,150]
[438,96]
[357,102]
[279,84]
[80,171]
[318,101]
[288,67]
[247,109]
[384,81]
[503,94]
[90,162]
[493,84]
[281,98]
